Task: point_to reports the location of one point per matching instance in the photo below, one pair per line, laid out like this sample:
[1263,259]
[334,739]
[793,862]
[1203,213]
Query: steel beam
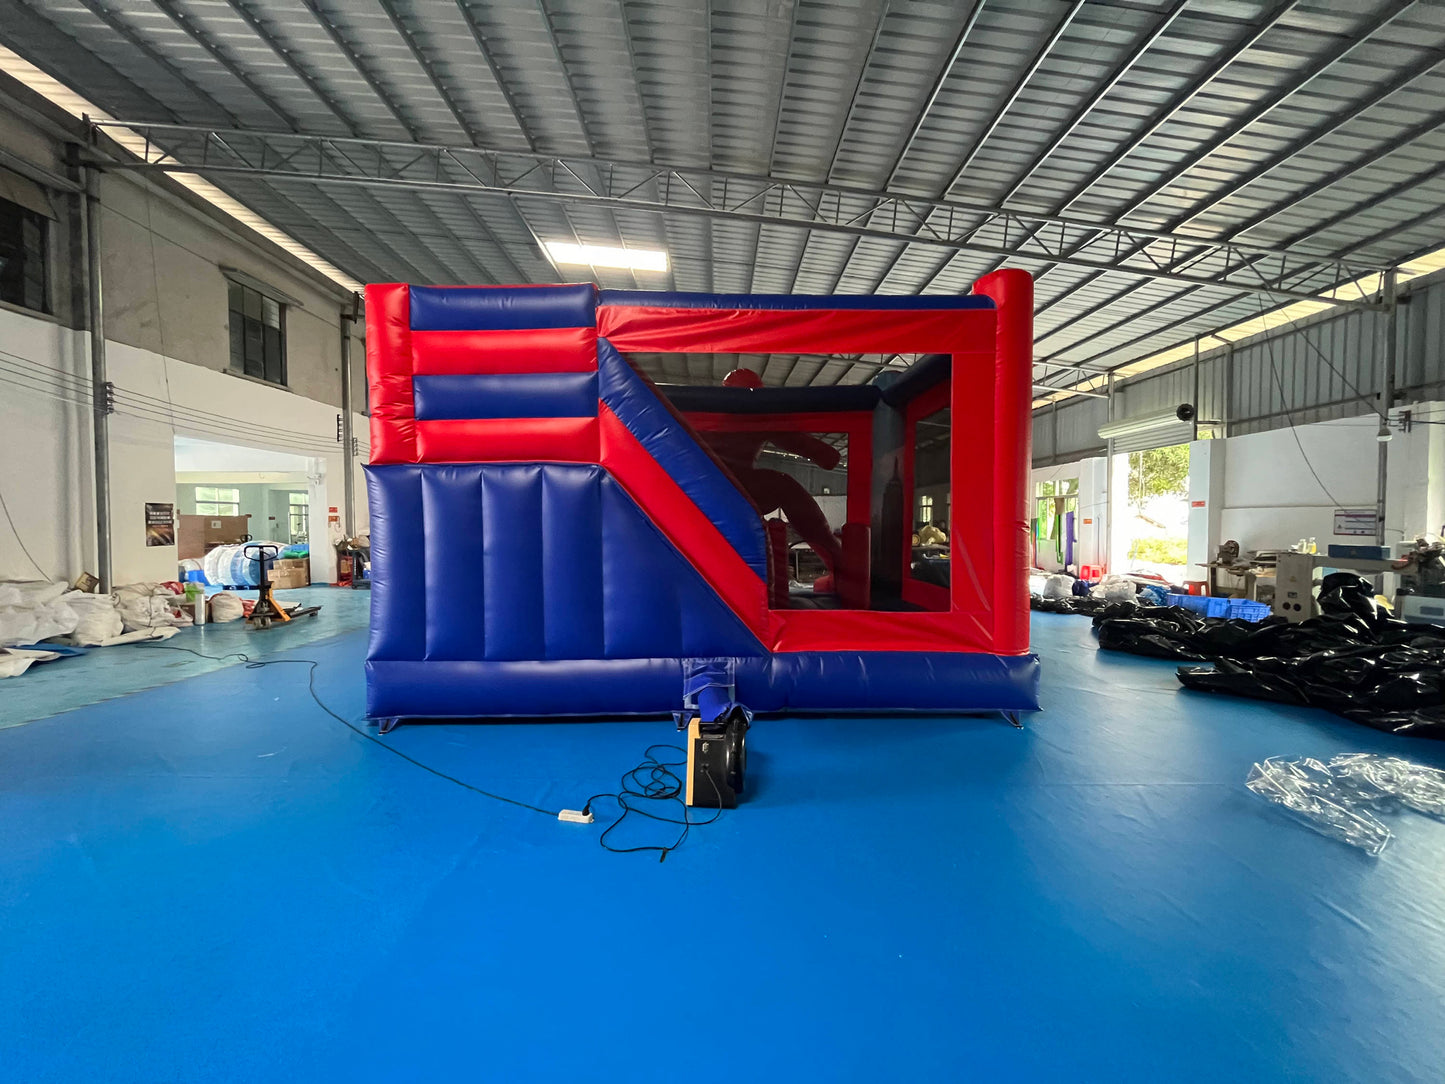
[766,201]
[1013,95]
[1387,400]
[348,482]
[881,17]
[286,57]
[556,47]
[938,86]
[1369,161]
[190,29]
[486,53]
[1372,201]
[423,62]
[1320,132]
[100,388]
[130,35]
[1080,114]
[933,94]
[1312,230]
[1055,390]
[1345,47]
[324,21]
[1317,134]
[1167,112]
[998,117]
[1264,108]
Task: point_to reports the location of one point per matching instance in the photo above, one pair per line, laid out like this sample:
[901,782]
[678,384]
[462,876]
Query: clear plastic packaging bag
[1413,786]
[1340,799]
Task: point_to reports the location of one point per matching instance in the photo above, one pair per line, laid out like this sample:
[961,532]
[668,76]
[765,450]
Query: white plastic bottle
[196,596]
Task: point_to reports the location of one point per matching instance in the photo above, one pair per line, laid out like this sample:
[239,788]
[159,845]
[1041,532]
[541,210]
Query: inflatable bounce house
[554,534]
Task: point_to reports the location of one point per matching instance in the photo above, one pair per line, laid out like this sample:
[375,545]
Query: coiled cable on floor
[652,781]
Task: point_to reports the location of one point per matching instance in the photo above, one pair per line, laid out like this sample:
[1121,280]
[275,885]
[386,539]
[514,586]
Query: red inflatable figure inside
[773,490]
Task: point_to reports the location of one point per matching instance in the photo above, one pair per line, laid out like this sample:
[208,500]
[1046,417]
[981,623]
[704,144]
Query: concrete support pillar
[1207,464]
[1093,511]
[1120,517]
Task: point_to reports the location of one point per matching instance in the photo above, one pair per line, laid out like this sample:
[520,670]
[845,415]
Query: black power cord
[651,781]
[654,781]
[20,541]
[256,664]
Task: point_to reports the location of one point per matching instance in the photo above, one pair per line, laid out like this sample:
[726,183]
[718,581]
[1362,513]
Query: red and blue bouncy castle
[554,534]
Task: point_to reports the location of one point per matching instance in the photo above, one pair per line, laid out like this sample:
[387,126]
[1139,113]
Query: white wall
[1118,527]
[1272,498]
[45,448]
[1208,461]
[1094,511]
[1261,490]
[165,291]
[213,457]
[162,254]
[1417,474]
[45,453]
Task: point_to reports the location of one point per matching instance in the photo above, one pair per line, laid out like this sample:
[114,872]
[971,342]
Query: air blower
[717,727]
[717,760]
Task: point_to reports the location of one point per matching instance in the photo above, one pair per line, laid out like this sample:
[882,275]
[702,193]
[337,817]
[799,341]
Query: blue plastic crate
[1244,610]
[1209,606]
[1197,603]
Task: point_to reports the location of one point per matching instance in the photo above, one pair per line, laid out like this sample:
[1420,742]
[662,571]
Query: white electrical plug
[575,816]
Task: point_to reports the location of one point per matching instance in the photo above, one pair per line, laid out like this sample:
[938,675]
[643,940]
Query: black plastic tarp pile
[1086,605]
[1354,659]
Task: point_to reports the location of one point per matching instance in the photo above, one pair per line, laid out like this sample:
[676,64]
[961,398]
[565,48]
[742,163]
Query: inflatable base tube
[834,682]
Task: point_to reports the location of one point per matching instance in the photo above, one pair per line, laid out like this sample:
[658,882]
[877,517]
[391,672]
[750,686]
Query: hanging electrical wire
[1284,406]
[5,507]
[1369,399]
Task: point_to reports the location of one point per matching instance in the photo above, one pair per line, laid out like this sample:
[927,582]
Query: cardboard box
[292,572]
[198,535]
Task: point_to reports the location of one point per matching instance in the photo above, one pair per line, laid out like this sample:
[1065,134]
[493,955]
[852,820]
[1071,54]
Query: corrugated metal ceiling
[1315,126]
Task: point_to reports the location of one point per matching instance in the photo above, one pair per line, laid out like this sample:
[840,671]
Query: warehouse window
[258,334]
[22,257]
[299,508]
[217,501]
[931,472]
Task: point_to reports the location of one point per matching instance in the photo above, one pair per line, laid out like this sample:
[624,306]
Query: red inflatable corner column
[389,363]
[1013,294]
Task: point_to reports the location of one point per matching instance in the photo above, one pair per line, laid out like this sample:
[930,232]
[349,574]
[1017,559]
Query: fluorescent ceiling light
[631,259]
[62,96]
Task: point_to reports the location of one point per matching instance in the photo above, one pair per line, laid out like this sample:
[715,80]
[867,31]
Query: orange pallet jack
[268,611]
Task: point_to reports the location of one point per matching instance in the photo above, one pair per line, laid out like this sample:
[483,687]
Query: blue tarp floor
[203,877]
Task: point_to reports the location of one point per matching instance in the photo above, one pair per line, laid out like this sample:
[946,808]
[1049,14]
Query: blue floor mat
[212,880]
[106,672]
